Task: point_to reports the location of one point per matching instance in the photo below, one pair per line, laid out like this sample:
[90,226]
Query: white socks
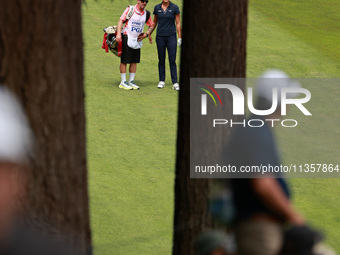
[123,75]
[132,76]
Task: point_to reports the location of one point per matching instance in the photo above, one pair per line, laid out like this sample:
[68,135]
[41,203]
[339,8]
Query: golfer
[167,16]
[132,41]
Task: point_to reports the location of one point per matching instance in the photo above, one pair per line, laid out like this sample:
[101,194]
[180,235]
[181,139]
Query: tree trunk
[41,60]
[214,45]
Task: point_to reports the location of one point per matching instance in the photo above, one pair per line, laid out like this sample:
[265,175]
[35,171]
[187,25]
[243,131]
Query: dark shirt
[250,146]
[166,19]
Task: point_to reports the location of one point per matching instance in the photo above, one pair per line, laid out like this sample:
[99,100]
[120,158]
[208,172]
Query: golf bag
[110,33]
[109,41]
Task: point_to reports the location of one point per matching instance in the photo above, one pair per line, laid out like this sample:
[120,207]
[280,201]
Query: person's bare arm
[154,25]
[178,25]
[150,30]
[273,196]
[155,22]
[119,31]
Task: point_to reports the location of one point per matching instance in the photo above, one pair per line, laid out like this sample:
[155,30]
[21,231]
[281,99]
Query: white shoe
[161,85]
[176,86]
[133,85]
[125,85]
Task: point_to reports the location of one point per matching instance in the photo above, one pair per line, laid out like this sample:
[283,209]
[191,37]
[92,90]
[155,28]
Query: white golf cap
[275,79]
[15,134]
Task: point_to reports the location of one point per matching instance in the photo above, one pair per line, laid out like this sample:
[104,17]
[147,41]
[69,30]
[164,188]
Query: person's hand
[118,37]
[150,39]
[179,42]
[142,36]
[297,220]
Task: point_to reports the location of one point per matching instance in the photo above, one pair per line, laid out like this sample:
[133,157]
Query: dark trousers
[169,43]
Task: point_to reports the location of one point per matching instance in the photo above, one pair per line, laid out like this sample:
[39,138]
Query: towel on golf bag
[104,44]
[109,41]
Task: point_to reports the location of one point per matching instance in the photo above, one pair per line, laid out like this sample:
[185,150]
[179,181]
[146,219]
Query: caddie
[134,17]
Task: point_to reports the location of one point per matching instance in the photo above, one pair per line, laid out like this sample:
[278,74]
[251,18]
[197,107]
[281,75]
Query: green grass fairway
[132,134]
[131,144]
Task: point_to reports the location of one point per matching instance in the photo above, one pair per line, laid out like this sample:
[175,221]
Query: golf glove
[179,42]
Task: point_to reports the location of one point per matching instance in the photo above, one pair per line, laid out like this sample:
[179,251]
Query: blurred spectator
[16,141]
[262,202]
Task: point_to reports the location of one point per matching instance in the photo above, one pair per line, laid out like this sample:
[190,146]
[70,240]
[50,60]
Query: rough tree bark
[214,45]
[41,60]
